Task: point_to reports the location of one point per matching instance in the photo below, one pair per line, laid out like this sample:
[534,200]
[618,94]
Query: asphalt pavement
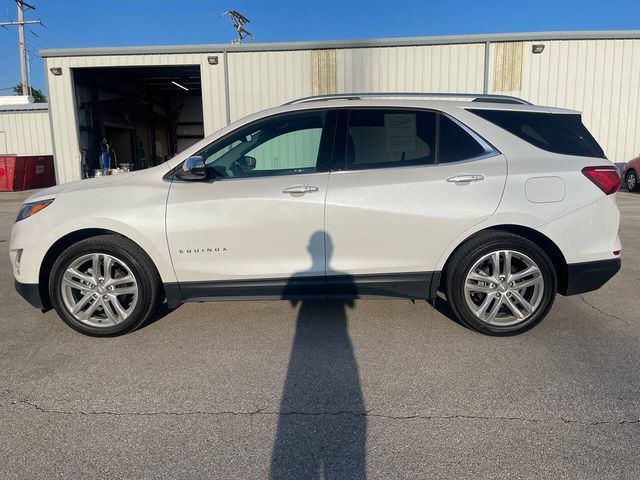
[375,389]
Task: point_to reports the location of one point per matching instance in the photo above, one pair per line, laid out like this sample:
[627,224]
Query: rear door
[409,182]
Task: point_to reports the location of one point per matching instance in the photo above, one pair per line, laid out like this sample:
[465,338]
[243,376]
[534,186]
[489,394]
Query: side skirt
[415,285]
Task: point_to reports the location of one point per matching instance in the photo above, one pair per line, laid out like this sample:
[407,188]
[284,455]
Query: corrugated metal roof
[336,44]
[24,107]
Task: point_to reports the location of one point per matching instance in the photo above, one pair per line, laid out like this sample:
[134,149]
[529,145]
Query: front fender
[134,209]
[151,239]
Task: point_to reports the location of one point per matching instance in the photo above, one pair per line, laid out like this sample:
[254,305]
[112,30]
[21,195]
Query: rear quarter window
[456,144]
[555,132]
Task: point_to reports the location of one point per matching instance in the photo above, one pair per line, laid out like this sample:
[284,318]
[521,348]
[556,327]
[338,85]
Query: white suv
[496,203]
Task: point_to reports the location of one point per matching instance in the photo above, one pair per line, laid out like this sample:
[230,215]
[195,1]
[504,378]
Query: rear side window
[554,132]
[397,138]
[390,138]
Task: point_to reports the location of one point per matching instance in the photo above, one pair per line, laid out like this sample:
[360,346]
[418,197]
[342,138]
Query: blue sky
[84,23]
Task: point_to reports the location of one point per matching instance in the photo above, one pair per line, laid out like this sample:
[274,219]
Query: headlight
[16,257]
[30,209]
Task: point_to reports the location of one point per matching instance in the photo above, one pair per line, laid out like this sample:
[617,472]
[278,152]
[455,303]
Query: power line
[55,32]
[42,40]
[37,44]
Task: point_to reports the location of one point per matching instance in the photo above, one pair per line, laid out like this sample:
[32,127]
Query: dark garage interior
[141,115]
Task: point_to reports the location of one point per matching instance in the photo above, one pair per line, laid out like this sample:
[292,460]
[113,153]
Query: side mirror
[247,162]
[193,168]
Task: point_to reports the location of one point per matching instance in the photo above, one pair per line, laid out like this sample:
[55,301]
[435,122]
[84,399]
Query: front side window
[284,145]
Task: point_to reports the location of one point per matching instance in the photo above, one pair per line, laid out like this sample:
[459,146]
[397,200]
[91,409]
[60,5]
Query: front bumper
[31,293]
[588,276]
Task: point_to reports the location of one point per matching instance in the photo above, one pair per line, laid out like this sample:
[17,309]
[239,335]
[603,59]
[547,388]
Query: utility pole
[20,24]
[29,73]
[23,60]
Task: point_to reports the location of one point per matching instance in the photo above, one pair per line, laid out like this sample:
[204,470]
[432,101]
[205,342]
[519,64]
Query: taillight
[606,178]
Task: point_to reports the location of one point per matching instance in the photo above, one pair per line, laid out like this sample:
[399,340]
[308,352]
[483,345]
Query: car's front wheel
[631,181]
[499,283]
[104,286]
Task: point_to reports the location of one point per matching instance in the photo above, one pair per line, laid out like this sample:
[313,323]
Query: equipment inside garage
[131,118]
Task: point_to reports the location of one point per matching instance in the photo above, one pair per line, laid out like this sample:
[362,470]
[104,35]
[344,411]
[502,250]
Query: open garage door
[139,116]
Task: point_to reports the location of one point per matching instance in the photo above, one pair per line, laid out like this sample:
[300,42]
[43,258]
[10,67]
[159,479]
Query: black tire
[141,266]
[631,181]
[472,251]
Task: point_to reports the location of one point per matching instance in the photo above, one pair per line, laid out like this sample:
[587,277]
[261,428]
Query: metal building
[153,101]
[25,130]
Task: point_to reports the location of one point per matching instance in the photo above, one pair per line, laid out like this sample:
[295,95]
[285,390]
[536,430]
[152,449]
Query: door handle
[465,178]
[301,189]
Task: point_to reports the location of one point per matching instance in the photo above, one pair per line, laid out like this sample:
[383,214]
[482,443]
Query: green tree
[36,93]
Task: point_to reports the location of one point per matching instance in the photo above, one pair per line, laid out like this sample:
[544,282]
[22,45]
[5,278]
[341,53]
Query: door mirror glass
[193,168]
[247,162]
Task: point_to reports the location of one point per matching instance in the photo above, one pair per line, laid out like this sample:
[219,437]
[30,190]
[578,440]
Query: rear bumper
[588,276]
[30,292]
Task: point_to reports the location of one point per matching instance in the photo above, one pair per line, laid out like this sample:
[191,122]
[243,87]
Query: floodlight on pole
[239,21]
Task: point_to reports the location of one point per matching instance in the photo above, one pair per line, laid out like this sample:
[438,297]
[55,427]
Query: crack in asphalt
[368,413]
[599,310]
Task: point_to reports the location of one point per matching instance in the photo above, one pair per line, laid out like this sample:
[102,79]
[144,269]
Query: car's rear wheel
[499,283]
[631,181]
[104,286]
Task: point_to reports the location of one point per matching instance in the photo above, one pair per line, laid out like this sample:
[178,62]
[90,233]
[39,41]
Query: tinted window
[390,138]
[280,146]
[456,144]
[558,133]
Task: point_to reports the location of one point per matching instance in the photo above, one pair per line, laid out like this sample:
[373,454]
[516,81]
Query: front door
[402,195]
[256,227]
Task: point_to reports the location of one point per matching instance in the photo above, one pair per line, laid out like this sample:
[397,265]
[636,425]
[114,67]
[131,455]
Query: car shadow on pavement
[442,306]
[162,311]
[322,423]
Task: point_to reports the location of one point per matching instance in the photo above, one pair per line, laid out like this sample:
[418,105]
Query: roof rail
[477,97]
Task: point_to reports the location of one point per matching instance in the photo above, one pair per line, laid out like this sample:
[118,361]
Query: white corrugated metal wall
[260,80]
[430,68]
[25,132]
[599,77]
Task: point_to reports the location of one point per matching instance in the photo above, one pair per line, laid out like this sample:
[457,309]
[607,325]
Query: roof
[337,44]
[15,99]
[26,107]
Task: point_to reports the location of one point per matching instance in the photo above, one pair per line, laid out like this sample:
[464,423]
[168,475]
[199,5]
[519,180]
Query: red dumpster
[37,172]
[7,173]
[26,173]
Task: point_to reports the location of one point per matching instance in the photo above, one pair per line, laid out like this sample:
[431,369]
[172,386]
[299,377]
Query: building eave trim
[341,44]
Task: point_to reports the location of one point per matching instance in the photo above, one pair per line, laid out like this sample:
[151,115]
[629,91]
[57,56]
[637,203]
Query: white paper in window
[400,131]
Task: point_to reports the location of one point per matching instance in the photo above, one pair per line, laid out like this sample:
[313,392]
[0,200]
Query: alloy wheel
[99,290]
[504,288]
